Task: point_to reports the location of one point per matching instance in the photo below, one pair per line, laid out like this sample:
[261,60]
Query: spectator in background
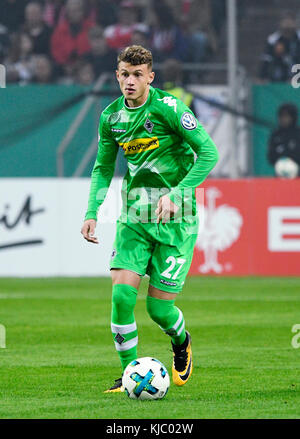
[35,27]
[172,76]
[42,68]
[203,39]
[276,67]
[66,76]
[4,43]
[289,36]
[70,37]
[19,60]
[194,17]
[101,57]
[104,12]
[119,35]
[85,73]
[12,14]
[167,40]
[52,12]
[218,14]
[285,140]
[140,36]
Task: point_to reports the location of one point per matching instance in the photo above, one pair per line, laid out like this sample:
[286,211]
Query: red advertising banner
[249,226]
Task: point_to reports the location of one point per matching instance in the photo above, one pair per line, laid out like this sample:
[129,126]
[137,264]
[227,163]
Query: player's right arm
[102,174]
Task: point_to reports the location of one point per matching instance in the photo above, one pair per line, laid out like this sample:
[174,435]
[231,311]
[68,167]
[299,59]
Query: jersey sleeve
[103,169]
[184,123]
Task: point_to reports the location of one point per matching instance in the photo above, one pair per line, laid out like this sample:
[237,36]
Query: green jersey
[160,140]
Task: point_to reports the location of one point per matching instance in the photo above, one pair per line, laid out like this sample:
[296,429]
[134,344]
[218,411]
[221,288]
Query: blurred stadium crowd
[74,41]
[281,53]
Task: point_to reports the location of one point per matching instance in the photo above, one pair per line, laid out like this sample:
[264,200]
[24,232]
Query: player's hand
[88,231]
[166,209]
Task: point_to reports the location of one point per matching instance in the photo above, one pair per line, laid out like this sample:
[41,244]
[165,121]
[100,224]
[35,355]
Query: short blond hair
[136,55]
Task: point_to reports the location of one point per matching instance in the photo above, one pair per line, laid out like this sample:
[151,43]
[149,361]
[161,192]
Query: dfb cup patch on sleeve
[188,121]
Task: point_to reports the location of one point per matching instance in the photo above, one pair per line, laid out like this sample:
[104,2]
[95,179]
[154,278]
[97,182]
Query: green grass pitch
[59,354]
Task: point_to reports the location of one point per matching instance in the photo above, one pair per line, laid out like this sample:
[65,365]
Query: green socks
[168,317]
[123,325]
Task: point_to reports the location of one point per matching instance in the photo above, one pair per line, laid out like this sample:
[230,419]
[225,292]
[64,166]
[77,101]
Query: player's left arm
[186,125]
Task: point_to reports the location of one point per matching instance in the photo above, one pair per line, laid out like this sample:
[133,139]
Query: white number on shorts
[172,261]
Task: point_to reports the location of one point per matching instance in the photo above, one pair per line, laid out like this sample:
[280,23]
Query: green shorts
[163,251]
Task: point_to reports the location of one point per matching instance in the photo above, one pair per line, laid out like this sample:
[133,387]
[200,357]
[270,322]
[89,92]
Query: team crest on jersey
[188,121]
[140,145]
[149,125]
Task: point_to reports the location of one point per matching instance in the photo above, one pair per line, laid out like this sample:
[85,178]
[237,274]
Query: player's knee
[123,298]
[156,311]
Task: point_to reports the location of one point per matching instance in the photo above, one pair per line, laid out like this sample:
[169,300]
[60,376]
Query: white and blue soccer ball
[286,168]
[146,378]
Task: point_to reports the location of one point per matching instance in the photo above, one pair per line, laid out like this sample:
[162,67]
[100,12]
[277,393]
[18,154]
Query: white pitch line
[12,296]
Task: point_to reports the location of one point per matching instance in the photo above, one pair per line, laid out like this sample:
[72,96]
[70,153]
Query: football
[146,378]
[286,168]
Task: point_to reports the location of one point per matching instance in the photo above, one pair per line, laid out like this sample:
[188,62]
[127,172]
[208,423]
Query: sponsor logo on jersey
[169,101]
[114,252]
[118,130]
[167,282]
[140,145]
[188,121]
[149,125]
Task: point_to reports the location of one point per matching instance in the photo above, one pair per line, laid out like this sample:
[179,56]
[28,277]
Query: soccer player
[157,229]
